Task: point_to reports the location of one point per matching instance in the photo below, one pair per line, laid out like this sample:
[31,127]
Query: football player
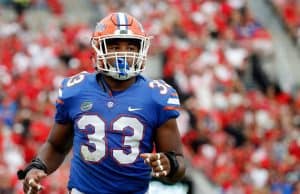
[121,126]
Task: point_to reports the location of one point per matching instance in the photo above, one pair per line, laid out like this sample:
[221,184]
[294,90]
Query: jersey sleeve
[167,101]
[61,114]
[68,91]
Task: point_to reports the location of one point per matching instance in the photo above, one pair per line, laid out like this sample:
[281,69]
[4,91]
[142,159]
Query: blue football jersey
[111,131]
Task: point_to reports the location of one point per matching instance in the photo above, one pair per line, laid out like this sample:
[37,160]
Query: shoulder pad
[164,94]
[72,85]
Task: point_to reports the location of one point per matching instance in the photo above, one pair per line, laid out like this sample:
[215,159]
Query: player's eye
[132,48]
[113,48]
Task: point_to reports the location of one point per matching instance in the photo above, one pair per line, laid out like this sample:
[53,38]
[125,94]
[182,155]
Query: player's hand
[31,184]
[159,163]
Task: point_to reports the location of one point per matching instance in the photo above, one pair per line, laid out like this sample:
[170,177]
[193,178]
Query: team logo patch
[85,106]
[100,27]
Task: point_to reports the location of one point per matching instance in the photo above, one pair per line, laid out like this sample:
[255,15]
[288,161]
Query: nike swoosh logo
[130,109]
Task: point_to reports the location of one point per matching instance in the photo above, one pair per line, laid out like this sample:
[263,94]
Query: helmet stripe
[122,21]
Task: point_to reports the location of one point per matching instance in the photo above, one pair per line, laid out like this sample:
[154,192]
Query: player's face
[122,45]
[119,46]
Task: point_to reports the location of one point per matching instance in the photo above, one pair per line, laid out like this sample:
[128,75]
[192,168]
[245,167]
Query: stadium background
[235,64]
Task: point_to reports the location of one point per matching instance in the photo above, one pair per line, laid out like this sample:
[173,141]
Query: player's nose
[124,48]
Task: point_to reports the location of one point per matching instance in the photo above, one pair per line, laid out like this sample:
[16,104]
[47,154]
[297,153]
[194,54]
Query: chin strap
[174,165]
[35,163]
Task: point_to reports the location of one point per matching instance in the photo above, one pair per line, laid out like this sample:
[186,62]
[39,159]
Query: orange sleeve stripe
[59,101]
[172,108]
[174,94]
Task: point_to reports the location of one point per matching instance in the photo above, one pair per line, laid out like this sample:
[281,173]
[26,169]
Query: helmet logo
[100,27]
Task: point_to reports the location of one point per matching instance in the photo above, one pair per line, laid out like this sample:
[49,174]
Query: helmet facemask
[121,65]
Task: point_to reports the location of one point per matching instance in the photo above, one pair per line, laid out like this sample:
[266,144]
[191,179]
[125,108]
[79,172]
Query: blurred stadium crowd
[239,128]
[289,12]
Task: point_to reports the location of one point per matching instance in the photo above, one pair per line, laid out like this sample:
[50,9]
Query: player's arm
[57,146]
[49,158]
[168,140]
[168,163]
